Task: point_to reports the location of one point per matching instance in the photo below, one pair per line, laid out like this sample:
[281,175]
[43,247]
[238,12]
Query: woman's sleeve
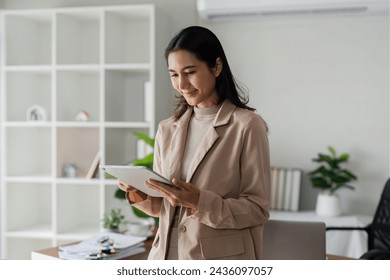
[251,208]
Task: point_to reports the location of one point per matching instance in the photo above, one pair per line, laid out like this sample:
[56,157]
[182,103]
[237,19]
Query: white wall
[319,81]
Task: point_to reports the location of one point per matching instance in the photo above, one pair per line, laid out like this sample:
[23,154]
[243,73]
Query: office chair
[378,231]
[294,240]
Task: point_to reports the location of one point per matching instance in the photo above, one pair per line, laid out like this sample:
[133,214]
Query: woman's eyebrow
[184,68]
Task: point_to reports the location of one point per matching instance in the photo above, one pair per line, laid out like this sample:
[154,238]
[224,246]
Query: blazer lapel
[211,136]
[178,144]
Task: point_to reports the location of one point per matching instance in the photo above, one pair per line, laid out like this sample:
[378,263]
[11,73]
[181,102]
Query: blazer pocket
[222,246]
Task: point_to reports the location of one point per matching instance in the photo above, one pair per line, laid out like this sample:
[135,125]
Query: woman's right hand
[125,187]
[132,194]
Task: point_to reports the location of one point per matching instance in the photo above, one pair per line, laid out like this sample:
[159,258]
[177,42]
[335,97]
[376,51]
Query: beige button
[182,228]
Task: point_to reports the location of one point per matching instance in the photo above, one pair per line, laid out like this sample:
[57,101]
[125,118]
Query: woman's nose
[183,83]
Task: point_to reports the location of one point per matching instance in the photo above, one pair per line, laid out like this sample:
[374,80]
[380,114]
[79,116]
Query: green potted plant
[113,219]
[329,177]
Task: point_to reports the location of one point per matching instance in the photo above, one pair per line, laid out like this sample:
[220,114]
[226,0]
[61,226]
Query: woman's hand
[132,193]
[125,187]
[181,194]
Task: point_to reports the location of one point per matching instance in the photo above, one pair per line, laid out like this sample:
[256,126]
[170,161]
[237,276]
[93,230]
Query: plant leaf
[119,194]
[344,157]
[139,213]
[146,161]
[145,137]
[332,151]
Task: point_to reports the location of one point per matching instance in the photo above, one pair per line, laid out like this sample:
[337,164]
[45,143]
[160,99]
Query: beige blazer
[232,171]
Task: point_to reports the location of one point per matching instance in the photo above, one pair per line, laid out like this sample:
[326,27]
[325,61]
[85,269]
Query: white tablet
[136,177]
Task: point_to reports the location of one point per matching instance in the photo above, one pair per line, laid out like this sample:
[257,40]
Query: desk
[342,243]
[52,254]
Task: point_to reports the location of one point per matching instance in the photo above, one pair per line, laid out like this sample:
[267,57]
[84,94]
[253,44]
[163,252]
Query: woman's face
[193,79]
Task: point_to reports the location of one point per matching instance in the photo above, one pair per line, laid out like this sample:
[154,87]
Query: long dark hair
[207,48]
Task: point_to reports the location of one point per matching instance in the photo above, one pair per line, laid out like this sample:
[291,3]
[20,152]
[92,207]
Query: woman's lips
[189,93]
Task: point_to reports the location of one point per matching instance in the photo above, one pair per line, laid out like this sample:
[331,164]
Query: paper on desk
[122,253]
[125,245]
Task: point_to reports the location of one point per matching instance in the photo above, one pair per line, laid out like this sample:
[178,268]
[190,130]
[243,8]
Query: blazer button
[182,228]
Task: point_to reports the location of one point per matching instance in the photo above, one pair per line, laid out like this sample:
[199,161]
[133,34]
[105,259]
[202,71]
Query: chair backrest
[294,240]
[379,230]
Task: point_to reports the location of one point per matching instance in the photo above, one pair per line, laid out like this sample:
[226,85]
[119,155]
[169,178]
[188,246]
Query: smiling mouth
[189,93]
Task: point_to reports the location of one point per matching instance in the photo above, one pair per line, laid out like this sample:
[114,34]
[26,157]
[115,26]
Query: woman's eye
[189,73]
[173,75]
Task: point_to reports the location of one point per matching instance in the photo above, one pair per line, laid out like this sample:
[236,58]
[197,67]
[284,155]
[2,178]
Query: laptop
[294,240]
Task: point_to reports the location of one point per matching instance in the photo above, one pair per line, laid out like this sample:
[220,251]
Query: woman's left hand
[180,194]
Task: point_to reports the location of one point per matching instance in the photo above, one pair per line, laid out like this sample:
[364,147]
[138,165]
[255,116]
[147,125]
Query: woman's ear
[218,67]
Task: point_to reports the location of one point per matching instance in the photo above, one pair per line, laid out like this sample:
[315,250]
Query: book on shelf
[94,167]
[274,187]
[288,189]
[285,188]
[296,188]
[281,188]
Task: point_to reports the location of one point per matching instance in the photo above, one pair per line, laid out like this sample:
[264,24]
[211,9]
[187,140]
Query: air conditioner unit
[230,9]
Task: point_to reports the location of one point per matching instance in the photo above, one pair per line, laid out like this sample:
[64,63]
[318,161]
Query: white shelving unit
[107,61]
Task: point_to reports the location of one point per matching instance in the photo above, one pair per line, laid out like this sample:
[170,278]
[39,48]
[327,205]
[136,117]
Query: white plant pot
[328,205]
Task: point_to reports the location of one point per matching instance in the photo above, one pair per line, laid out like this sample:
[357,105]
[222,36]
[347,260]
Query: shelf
[77,91]
[28,151]
[28,179]
[25,124]
[78,208]
[122,145]
[124,92]
[76,146]
[37,231]
[130,29]
[31,45]
[78,124]
[134,67]
[35,214]
[76,84]
[21,248]
[78,181]
[25,90]
[28,68]
[78,67]
[127,125]
[78,38]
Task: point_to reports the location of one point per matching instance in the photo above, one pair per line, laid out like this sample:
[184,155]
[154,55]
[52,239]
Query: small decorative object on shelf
[113,219]
[69,170]
[82,116]
[329,177]
[36,113]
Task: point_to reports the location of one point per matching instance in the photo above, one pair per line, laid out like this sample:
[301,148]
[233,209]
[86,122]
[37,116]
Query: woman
[215,151]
